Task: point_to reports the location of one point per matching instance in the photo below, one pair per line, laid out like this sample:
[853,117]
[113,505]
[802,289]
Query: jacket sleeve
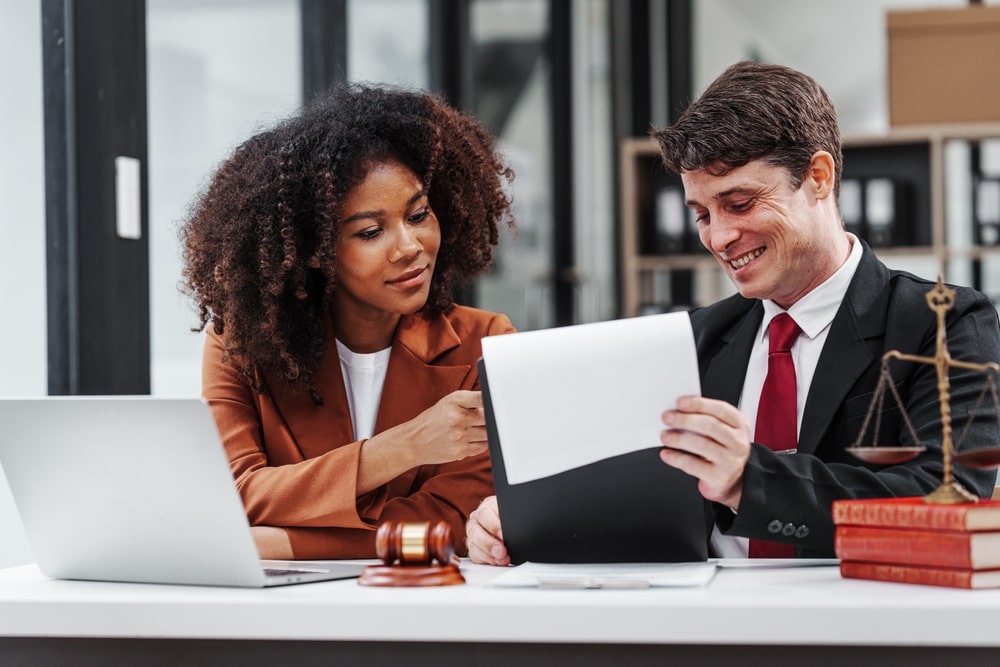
[441,493]
[278,487]
[796,492]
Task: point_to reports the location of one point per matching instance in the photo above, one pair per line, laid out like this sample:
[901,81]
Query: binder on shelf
[671,220]
[852,206]
[987,207]
[886,212]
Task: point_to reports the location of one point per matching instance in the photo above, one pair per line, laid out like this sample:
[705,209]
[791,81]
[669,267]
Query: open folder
[573,417]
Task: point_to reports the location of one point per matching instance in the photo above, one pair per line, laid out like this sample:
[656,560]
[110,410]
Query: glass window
[593,176]
[511,88]
[387,42]
[219,71]
[23,353]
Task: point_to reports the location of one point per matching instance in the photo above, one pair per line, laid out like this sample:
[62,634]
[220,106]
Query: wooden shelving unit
[913,155]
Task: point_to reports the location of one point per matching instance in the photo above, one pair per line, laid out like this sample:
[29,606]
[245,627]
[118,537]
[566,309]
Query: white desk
[750,616]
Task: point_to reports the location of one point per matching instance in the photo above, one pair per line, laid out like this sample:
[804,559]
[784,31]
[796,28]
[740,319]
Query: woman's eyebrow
[379,213]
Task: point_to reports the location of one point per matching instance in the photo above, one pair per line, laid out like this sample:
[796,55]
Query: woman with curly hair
[324,257]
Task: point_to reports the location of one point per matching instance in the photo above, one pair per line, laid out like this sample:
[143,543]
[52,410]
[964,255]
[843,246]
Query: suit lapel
[316,429]
[847,352]
[413,381]
[724,377]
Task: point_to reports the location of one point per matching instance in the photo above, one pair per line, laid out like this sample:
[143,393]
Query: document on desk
[570,396]
[606,575]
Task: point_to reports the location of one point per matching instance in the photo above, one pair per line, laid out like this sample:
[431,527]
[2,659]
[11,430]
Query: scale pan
[885,455]
[985,458]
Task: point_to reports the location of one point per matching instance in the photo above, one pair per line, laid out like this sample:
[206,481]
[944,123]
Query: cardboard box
[944,65]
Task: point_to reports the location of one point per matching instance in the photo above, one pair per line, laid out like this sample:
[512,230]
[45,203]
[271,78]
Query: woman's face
[389,240]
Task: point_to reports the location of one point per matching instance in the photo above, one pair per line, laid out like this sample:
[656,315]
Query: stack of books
[911,541]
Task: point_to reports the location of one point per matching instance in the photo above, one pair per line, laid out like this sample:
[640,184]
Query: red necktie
[776,417]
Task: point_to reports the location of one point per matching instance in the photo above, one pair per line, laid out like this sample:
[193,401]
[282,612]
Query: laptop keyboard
[279,572]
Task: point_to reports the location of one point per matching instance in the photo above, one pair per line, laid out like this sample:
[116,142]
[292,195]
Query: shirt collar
[816,310]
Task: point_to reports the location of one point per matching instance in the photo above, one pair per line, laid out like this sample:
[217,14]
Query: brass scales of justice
[940,299]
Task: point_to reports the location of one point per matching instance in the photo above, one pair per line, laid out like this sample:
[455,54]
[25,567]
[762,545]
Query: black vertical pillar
[450,51]
[450,65]
[679,30]
[563,242]
[94,65]
[630,68]
[324,45]
[680,78]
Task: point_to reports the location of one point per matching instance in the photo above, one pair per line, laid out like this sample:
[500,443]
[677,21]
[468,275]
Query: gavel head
[414,543]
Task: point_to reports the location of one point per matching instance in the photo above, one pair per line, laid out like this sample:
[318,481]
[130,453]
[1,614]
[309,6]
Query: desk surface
[741,606]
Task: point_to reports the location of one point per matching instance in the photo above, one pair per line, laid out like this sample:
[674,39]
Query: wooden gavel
[414,543]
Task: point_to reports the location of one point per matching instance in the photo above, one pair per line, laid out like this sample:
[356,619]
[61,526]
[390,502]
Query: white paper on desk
[606,575]
[570,396]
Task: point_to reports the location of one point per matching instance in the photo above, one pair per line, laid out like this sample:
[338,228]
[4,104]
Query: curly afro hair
[272,207]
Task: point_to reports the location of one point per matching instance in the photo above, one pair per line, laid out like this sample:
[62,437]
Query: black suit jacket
[883,310]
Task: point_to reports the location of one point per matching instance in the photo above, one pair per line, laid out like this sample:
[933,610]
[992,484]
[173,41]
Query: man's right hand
[483,535]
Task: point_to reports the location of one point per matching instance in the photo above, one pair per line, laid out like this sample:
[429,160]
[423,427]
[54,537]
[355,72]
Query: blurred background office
[115,112]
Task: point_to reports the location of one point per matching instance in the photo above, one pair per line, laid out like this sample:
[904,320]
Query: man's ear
[822,173]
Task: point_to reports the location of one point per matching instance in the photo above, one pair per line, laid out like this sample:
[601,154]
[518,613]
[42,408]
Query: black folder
[628,508]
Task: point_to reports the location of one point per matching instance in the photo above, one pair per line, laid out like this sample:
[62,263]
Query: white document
[606,575]
[571,396]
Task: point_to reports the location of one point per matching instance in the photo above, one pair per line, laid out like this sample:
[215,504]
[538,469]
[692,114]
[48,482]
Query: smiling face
[775,241]
[389,240]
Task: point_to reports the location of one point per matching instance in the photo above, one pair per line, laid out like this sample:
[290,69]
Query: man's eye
[742,206]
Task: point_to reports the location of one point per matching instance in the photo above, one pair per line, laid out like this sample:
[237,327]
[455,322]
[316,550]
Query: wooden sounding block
[413,554]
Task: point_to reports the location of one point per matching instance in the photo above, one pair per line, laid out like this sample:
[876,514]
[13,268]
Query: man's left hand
[708,439]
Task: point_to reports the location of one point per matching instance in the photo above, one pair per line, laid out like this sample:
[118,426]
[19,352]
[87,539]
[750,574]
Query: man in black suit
[759,154]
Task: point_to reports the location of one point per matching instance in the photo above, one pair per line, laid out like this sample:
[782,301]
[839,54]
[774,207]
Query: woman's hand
[450,430]
[484,536]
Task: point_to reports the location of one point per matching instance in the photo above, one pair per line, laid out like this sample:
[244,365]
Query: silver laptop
[134,488]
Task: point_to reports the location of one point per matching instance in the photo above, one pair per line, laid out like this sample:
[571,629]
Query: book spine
[913,547]
[907,575]
[912,515]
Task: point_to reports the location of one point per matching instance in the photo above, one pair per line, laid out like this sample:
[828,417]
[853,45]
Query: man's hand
[708,439]
[484,536]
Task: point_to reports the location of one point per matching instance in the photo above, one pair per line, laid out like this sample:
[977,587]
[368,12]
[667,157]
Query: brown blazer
[296,463]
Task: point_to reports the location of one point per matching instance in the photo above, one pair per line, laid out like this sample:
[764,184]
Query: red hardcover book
[907,546]
[917,574]
[913,512]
